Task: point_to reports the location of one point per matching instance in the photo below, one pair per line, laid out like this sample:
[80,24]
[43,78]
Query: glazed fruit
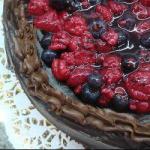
[46,40]
[62,4]
[48,56]
[145,40]
[129,63]
[122,38]
[120,102]
[99,48]
[97,28]
[94,2]
[95,80]
[89,95]
[127,21]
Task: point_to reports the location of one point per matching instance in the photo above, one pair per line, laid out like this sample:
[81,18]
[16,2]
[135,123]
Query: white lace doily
[25,126]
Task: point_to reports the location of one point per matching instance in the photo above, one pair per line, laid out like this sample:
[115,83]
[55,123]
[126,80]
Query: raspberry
[111,75]
[48,22]
[75,25]
[138,85]
[145,3]
[104,101]
[143,26]
[108,92]
[116,7]
[79,75]
[83,42]
[74,44]
[140,107]
[38,7]
[87,41]
[63,15]
[79,58]
[111,37]
[111,61]
[60,70]
[104,12]
[60,41]
[103,47]
[85,4]
[140,11]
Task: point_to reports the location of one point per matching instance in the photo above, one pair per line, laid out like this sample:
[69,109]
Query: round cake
[88,61]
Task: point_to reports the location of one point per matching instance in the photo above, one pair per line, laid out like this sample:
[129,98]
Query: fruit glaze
[99,48]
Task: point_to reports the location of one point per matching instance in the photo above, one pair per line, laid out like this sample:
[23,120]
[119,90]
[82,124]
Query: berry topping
[38,7]
[117,8]
[46,40]
[138,85]
[95,81]
[122,38]
[140,11]
[111,37]
[94,2]
[120,102]
[49,22]
[129,63]
[76,25]
[127,21]
[60,69]
[60,41]
[69,5]
[145,40]
[99,48]
[97,28]
[79,76]
[89,95]
[48,56]
[104,12]
[59,5]
[145,3]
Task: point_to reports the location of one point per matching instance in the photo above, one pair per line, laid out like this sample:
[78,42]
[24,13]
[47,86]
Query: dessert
[99,50]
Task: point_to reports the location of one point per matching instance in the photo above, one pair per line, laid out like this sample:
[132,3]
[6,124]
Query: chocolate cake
[88,61]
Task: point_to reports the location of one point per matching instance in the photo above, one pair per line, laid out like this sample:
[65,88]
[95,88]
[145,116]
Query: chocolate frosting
[134,127]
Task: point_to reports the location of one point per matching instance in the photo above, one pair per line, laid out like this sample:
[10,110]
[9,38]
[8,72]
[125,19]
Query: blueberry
[94,2]
[46,40]
[120,102]
[59,5]
[97,27]
[73,6]
[45,33]
[129,63]
[89,95]
[145,40]
[69,5]
[95,81]
[127,21]
[48,56]
[122,38]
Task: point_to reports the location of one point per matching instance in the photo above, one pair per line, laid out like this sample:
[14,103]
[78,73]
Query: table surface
[21,125]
